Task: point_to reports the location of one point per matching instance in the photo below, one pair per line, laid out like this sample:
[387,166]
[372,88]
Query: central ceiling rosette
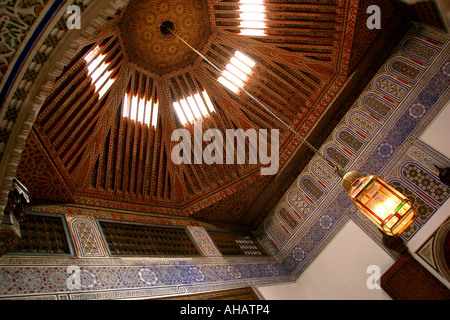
[148,47]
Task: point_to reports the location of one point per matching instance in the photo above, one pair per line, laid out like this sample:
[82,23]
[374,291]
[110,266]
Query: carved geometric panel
[375,104]
[435,250]
[419,49]
[350,140]
[324,172]
[391,88]
[337,156]
[363,122]
[424,210]
[203,241]
[311,188]
[405,69]
[298,202]
[287,216]
[86,237]
[425,182]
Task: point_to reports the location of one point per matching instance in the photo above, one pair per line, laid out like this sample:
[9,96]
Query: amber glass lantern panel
[390,210]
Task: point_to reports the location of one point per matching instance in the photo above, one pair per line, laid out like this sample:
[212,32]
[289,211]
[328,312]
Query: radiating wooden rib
[65,105]
[219,174]
[132,155]
[63,102]
[280,44]
[274,80]
[286,82]
[117,186]
[286,37]
[268,51]
[287,114]
[312,15]
[126,155]
[199,179]
[133,125]
[300,6]
[142,161]
[74,159]
[295,25]
[64,146]
[61,87]
[110,166]
[221,92]
[148,162]
[275,75]
[78,98]
[268,13]
[232,111]
[311,23]
[281,115]
[100,165]
[86,133]
[143,143]
[305,26]
[155,161]
[150,146]
[91,111]
[159,157]
[230,170]
[304,82]
[301,50]
[155,150]
[168,183]
[287,103]
[79,117]
[321,34]
[127,163]
[286,26]
[107,116]
[141,146]
[253,78]
[139,160]
[205,126]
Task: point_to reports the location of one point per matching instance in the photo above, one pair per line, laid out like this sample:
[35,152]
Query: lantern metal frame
[395,211]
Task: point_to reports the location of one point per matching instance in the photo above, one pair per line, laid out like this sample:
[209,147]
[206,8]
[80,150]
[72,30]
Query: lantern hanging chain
[335,167]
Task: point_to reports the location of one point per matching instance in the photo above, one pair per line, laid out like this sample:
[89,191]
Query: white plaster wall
[339,272]
[437,135]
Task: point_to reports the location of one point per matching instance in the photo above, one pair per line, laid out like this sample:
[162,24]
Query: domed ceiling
[103,136]
[144,43]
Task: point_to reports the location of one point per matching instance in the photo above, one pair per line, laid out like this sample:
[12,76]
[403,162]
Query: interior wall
[339,272]
[436,136]
[438,132]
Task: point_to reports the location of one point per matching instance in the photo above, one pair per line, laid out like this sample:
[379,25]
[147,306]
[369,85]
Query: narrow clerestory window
[141,110]
[237,71]
[98,70]
[198,106]
[252,16]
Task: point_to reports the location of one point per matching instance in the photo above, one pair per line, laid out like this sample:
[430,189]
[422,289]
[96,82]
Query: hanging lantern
[387,208]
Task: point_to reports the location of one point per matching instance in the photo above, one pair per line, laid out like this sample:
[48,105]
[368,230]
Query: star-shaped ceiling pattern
[105,128]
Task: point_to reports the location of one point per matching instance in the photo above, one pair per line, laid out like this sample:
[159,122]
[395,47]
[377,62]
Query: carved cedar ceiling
[110,144]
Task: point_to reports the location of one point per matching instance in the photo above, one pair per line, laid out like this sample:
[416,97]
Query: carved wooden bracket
[15,211]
